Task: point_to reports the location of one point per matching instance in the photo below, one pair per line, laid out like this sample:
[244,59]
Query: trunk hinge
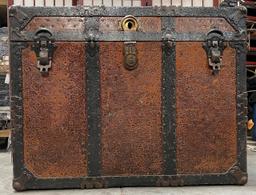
[214,47]
[44,48]
[92,46]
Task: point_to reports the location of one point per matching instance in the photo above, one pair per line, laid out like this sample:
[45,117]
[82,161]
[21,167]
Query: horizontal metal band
[138,181]
[122,11]
[129,36]
[21,16]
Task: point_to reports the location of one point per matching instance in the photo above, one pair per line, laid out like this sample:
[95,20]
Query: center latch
[44,48]
[130,56]
[214,47]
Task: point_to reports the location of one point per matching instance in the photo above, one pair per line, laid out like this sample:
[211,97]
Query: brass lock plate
[129,23]
[130,56]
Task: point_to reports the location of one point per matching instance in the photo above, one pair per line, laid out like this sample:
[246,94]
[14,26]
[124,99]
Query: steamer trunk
[153,99]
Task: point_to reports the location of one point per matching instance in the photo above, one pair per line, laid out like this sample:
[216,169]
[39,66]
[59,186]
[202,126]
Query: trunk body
[143,104]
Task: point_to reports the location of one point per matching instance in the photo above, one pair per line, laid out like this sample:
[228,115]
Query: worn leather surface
[131,111]
[55,126]
[56,24]
[201,24]
[206,111]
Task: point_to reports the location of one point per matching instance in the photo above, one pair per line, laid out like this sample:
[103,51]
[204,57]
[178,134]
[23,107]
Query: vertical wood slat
[10,2]
[79,2]
[146,2]
[215,3]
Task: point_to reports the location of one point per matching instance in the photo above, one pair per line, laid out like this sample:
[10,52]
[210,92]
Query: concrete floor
[249,189]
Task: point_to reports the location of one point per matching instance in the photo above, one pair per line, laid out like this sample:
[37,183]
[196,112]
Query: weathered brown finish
[55,131]
[146,24]
[56,24]
[206,111]
[99,120]
[201,25]
[131,111]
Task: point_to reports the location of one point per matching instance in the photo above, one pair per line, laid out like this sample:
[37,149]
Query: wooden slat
[146,2]
[5,133]
[10,2]
[215,3]
[80,2]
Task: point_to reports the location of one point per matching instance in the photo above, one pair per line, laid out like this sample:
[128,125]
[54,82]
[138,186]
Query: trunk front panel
[206,111]
[55,120]
[131,111]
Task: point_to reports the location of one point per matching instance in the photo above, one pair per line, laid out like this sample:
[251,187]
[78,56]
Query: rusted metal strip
[93,103]
[17,107]
[138,36]
[137,11]
[241,103]
[168,97]
[139,181]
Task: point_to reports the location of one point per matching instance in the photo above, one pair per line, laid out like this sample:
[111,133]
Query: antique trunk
[139,96]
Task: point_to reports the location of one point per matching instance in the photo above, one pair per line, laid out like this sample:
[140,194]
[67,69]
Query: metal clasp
[130,55]
[214,47]
[44,48]
[92,45]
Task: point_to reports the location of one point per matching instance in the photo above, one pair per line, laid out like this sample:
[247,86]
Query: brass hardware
[130,53]
[214,47]
[129,23]
[43,47]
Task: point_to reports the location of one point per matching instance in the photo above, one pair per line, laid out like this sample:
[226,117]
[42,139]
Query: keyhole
[130,25]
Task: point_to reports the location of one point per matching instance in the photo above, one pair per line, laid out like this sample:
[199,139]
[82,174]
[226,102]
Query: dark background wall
[3,16]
